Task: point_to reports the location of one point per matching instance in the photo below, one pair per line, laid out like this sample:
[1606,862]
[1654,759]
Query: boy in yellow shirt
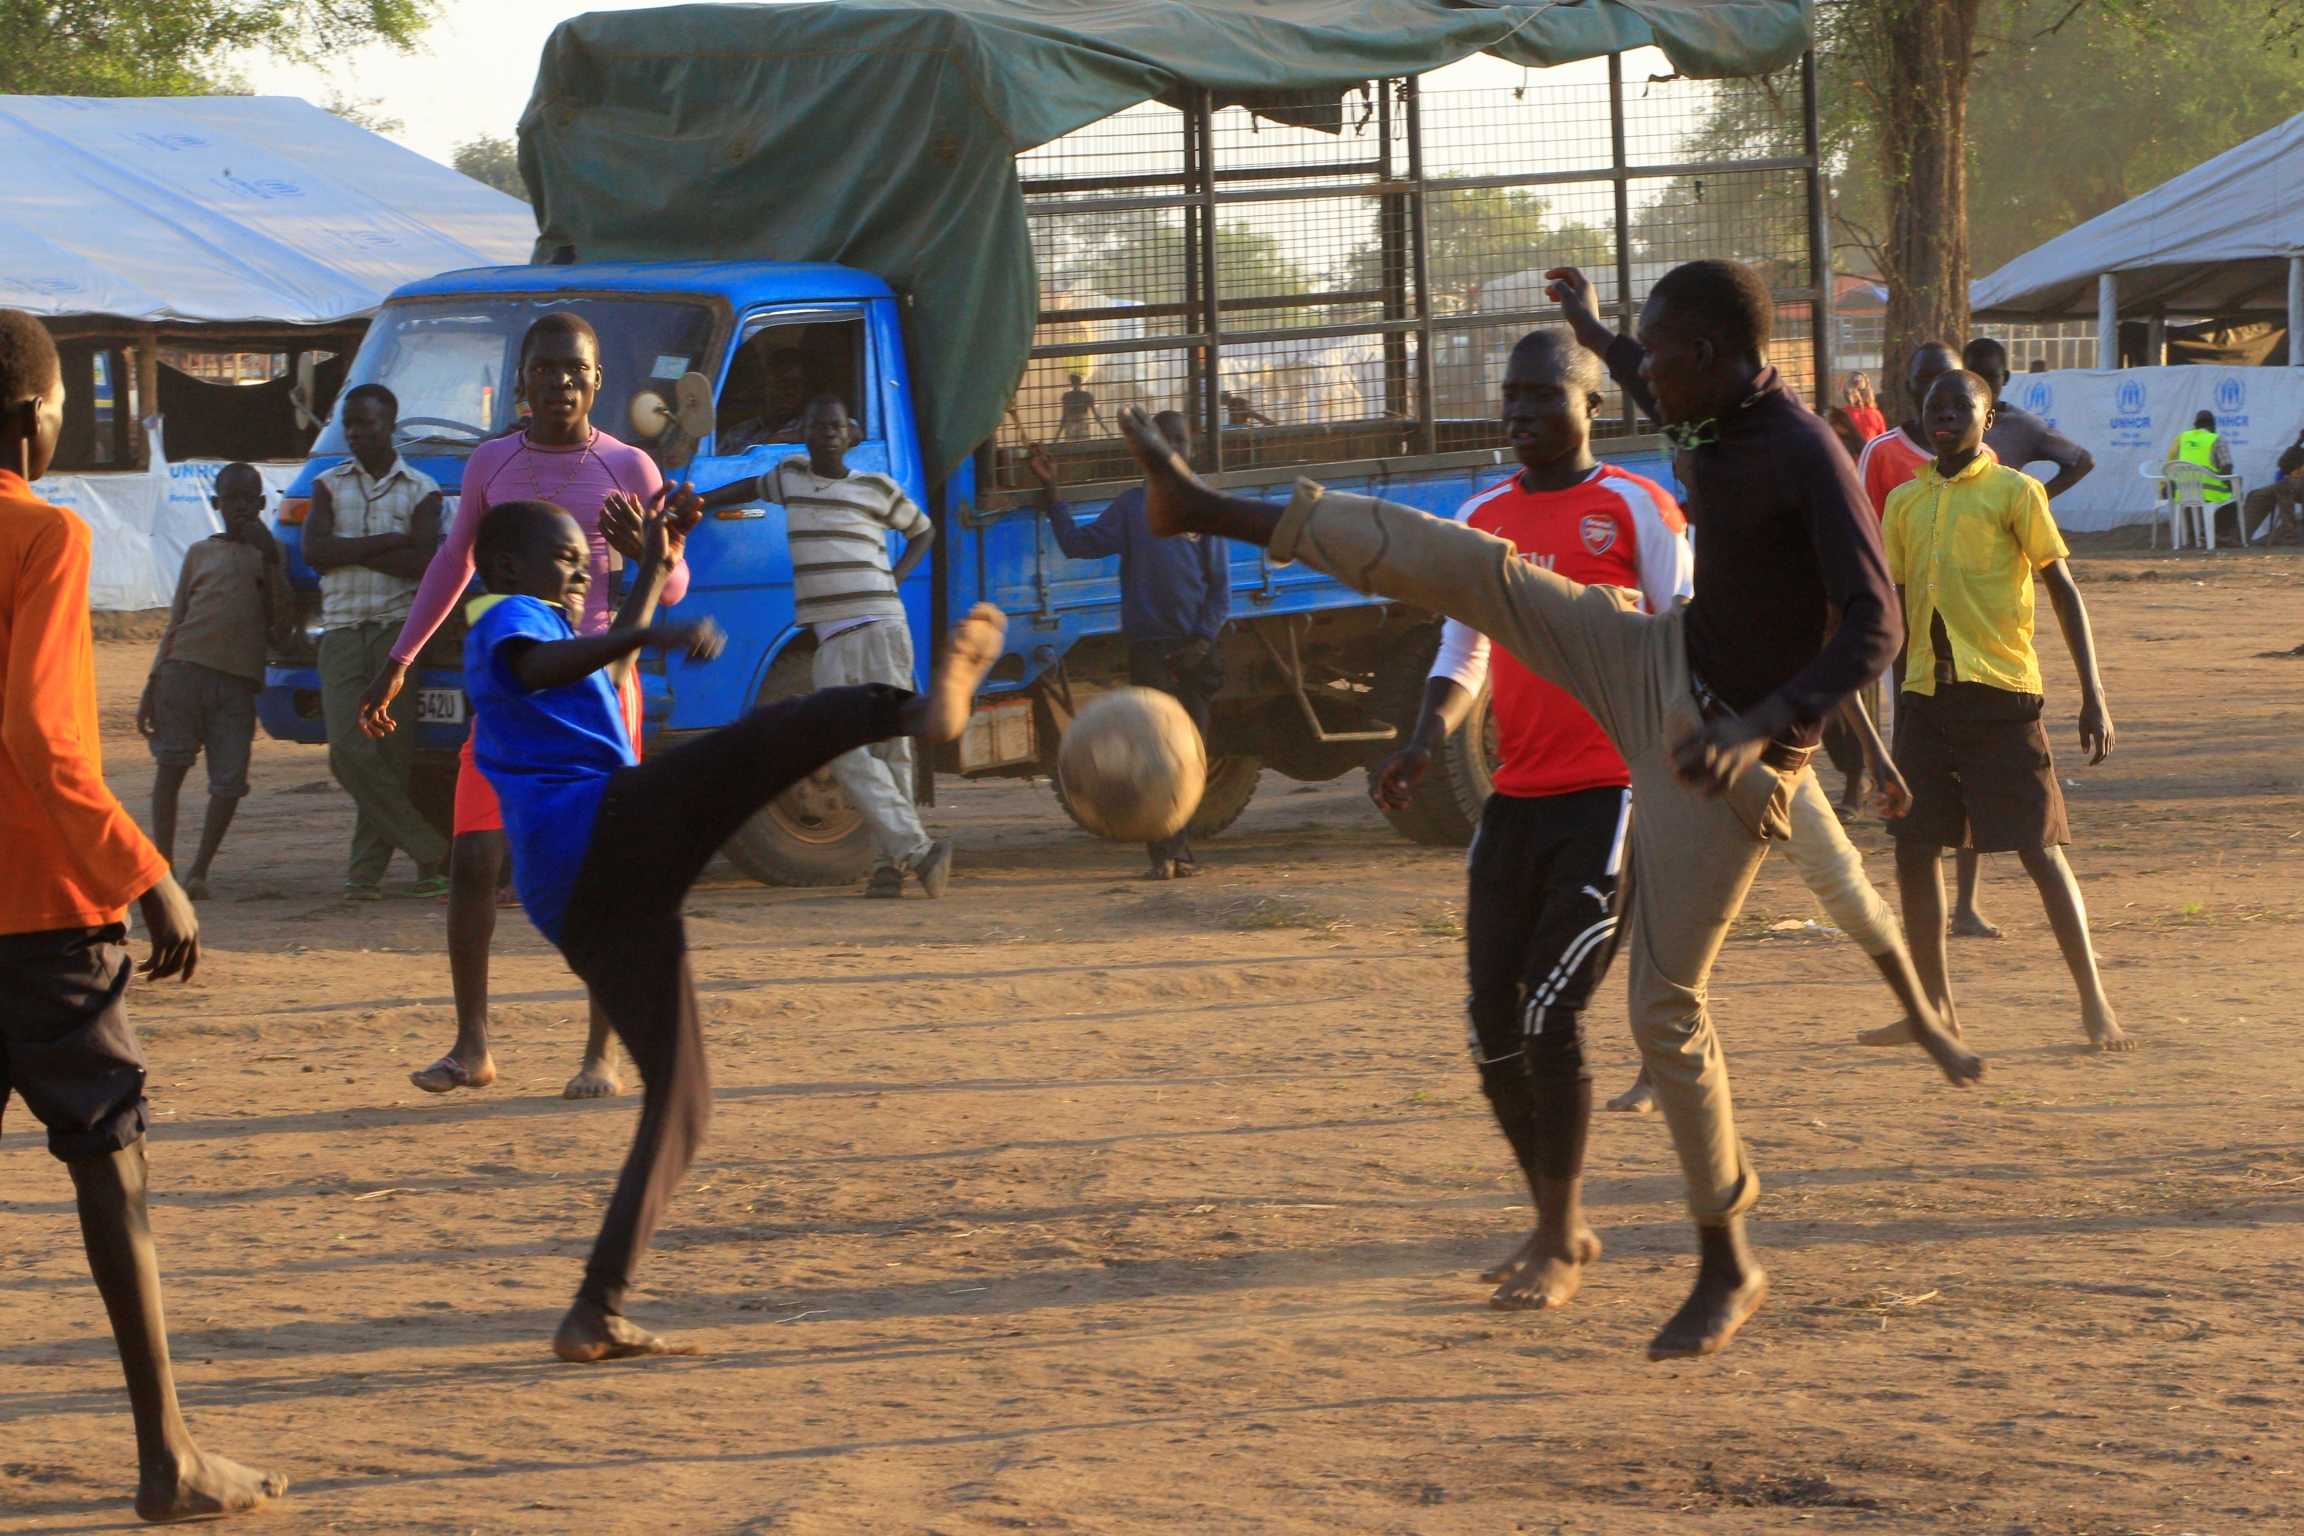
[1965,538]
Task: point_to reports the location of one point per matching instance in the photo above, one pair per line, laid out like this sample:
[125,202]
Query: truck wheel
[1445,806]
[1231,785]
[810,834]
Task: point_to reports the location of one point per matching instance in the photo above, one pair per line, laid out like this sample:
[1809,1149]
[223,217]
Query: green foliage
[362,112]
[1141,258]
[495,161]
[182,47]
[1475,235]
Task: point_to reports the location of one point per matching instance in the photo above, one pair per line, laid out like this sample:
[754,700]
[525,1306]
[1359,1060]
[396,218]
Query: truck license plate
[440,706]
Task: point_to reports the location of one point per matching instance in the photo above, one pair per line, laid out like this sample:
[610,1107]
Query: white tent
[228,208]
[2225,238]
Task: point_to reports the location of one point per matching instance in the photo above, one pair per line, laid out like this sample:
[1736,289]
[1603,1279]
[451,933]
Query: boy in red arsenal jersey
[1540,926]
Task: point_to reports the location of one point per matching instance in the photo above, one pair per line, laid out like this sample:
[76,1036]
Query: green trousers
[374,773]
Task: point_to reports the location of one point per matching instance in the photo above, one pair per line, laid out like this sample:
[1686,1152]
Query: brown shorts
[1981,773]
[65,1044]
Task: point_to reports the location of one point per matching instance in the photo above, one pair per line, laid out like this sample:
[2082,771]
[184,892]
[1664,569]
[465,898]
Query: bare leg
[1550,1270]
[220,812]
[167,789]
[475,865]
[1638,1099]
[1730,1286]
[2068,916]
[596,1078]
[1920,884]
[1967,922]
[176,1480]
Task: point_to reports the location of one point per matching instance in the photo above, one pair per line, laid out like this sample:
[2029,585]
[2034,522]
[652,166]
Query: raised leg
[2068,917]
[176,1480]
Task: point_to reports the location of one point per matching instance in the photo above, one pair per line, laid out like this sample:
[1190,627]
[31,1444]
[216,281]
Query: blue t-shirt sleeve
[515,618]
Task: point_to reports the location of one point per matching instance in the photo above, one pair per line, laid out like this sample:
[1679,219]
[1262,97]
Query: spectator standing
[231,599]
[2016,436]
[1863,408]
[374,523]
[1175,598]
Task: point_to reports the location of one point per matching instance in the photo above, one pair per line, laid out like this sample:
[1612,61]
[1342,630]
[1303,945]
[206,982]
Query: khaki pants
[877,779]
[1833,870]
[374,773]
[1693,856]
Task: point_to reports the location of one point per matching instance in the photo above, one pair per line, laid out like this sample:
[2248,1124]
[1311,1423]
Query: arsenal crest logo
[1599,533]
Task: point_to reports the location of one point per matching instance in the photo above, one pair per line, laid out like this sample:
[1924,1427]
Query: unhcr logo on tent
[2130,426]
[2128,400]
[2039,398]
[2231,400]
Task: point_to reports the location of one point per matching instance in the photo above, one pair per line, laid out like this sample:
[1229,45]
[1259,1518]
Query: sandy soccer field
[1075,1204]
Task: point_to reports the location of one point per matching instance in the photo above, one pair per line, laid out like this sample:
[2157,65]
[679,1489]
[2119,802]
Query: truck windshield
[454,364]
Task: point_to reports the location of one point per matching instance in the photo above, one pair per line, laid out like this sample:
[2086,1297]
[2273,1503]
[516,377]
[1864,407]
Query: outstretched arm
[2080,639]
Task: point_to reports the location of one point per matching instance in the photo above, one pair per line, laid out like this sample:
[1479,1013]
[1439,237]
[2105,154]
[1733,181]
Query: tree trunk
[1925,49]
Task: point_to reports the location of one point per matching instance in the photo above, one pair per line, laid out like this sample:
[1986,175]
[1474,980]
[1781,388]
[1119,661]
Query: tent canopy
[239,209]
[882,134]
[2214,241]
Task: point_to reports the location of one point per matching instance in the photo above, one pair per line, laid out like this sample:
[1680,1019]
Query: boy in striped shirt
[838,521]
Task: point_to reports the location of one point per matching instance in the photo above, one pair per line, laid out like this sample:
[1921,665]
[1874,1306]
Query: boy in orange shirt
[75,861]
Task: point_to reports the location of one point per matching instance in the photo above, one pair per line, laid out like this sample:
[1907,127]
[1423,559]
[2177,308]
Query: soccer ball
[1132,766]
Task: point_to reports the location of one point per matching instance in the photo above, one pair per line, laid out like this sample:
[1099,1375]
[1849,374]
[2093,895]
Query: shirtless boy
[1715,706]
[1965,540]
[605,848]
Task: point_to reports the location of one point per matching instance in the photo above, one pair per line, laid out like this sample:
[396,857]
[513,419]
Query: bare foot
[1635,1100]
[448,1074]
[588,1334]
[1548,1280]
[1167,478]
[2105,1033]
[969,652]
[596,1079]
[1521,1258]
[1729,1288]
[196,885]
[1962,1068]
[205,1487]
[1970,924]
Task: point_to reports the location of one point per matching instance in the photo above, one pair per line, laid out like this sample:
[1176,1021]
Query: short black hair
[28,365]
[506,528]
[1557,345]
[819,402]
[1975,381]
[1724,300]
[2203,419]
[558,322]
[1984,352]
[376,392]
[239,471]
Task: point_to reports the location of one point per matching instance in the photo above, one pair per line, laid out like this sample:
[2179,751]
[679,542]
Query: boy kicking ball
[604,849]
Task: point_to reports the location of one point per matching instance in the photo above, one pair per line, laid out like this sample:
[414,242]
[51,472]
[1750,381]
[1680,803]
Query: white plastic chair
[2184,501]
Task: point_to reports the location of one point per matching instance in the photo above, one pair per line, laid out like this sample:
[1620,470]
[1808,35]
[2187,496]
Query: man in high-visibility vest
[2204,447]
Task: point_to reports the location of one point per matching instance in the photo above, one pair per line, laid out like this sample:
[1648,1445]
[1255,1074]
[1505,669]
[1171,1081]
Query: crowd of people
[1658,700]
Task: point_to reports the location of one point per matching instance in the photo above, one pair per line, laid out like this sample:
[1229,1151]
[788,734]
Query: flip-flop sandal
[443,1076]
[417,890]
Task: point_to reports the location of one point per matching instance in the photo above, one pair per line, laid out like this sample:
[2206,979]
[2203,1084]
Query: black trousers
[660,823]
[1539,933]
[1152,664]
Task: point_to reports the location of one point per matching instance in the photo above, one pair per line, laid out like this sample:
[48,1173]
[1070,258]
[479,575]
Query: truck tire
[810,834]
[1445,806]
[1231,785]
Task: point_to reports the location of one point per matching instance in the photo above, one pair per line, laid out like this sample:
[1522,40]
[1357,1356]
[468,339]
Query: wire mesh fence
[1319,281]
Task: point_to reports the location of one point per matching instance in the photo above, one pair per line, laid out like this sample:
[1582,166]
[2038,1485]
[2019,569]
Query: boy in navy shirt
[605,849]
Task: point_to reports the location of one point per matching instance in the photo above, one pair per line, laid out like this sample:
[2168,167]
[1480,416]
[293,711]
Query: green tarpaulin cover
[882,134]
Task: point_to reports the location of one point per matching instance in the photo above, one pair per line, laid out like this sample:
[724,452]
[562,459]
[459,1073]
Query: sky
[472,73]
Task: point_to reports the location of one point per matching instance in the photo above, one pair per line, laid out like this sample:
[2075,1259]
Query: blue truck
[1321,678]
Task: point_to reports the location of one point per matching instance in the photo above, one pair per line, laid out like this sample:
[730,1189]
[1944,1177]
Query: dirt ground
[1075,1204]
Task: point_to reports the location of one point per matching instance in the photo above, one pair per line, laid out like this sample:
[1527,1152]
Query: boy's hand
[1043,466]
[2095,730]
[1891,796]
[1569,288]
[1712,757]
[621,517]
[1398,775]
[376,701]
[702,640]
[666,530]
[148,711]
[175,931]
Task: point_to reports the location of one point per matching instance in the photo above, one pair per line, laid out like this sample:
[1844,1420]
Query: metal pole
[2296,311]
[1819,235]
[1427,409]
[1391,237]
[1624,316]
[2108,320]
[2155,341]
[1211,387]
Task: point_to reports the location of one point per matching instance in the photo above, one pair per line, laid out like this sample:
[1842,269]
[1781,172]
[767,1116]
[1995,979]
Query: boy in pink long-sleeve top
[559,457]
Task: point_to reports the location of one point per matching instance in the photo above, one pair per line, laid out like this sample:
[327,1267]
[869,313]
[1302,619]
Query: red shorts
[476,807]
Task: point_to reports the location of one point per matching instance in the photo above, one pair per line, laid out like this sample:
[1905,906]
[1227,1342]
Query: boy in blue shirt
[604,849]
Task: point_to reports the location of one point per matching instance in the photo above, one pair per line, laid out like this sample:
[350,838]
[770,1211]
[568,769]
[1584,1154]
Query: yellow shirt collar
[1976,466]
